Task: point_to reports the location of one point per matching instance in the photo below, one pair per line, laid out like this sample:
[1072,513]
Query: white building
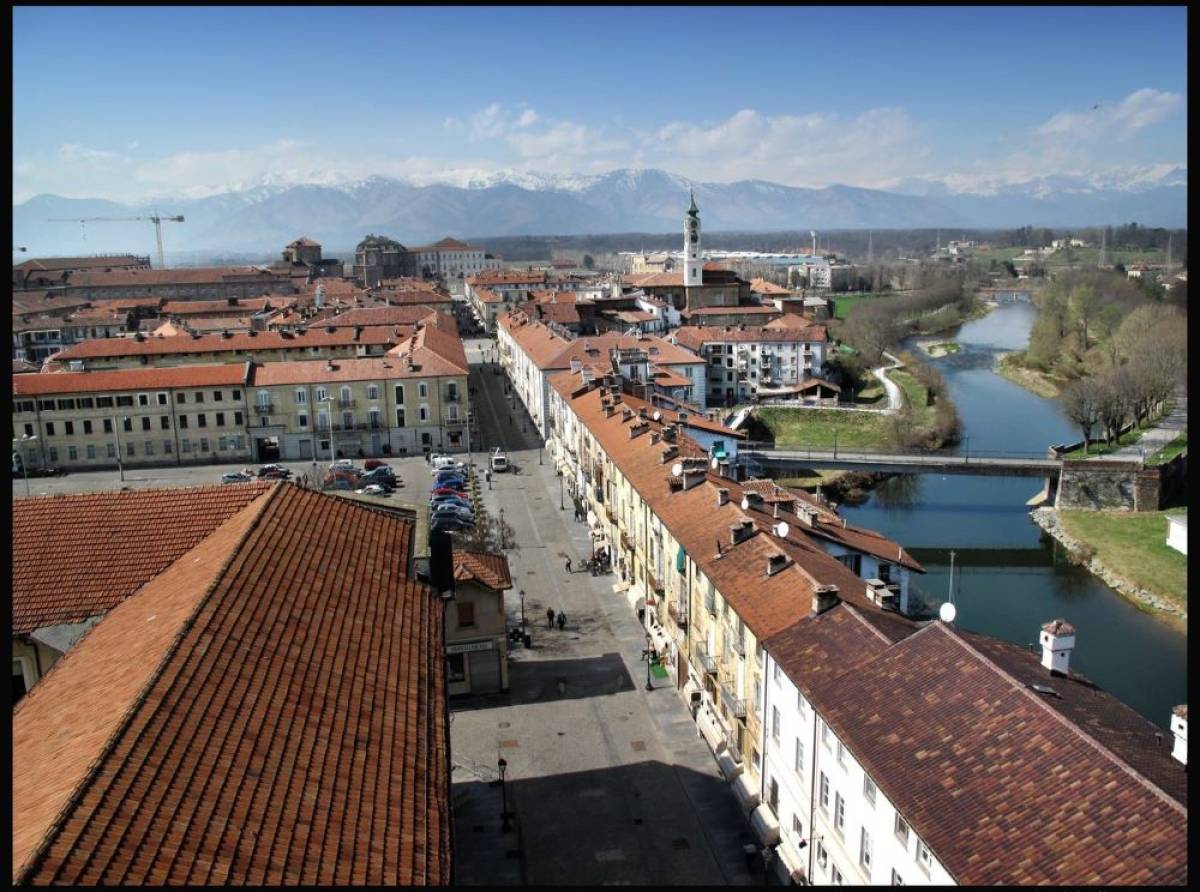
[1177,532]
[749,362]
[451,259]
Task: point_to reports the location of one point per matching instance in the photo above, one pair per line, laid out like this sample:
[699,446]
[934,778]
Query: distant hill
[264,219]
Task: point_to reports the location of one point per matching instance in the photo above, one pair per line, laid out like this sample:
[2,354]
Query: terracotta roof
[695,337]
[29,303]
[566,313]
[435,347]
[46,264]
[738,310]
[822,647]
[98,314]
[104,380]
[205,324]
[224,307]
[490,570]
[96,348]
[406,298]
[993,775]
[446,244]
[165,277]
[335,371]
[268,711]
[630,315]
[712,274]
[405,315]
[410,283]
[488,296]
[129,303]
[506,277]
[80,555]
[762,286]
[24,367]
[549,350]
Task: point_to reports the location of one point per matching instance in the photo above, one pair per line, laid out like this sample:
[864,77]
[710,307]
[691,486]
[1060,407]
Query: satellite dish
[781,529]
[745,504]
[657,415]
[947,612]
[677,469]
[714,463]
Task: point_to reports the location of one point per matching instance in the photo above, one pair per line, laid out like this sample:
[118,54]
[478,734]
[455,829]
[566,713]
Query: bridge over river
[994,464]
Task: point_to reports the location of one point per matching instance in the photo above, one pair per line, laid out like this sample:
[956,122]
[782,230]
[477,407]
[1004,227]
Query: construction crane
[155,219]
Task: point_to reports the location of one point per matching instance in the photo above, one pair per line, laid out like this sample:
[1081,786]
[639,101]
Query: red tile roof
[106,348]
[996,778]
[270,710]
[224,307]
[405,315]
[42,264]
[105,380]
[80,555]
[35,302]
[549,350]
[142,278]
[490,570]
[694,337]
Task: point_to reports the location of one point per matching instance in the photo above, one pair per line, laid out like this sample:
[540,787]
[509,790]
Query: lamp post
[561,504]
[120,459]
[505,827]
[649,645]
[522,611]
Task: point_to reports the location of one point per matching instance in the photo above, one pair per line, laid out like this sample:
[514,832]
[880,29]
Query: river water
[1009,577]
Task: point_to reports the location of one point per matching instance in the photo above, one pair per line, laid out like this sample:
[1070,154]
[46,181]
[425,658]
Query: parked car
[274,470]
[448,510]
[372,489]
[372,463]
[236,477]
[456,467]
[344,464]
[443,476]
[440,458]
[383,472]
[451,498]
[451,525]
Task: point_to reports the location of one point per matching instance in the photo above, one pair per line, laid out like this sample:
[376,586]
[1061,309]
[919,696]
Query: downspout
[175,426]
[762,775]
[812,796]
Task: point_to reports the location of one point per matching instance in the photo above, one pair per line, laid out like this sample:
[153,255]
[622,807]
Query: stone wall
[1097,484]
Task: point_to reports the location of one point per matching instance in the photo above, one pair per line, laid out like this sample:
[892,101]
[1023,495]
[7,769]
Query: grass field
[1168,452]
[1134,545]
[822,428]
[843,304]
[914,395]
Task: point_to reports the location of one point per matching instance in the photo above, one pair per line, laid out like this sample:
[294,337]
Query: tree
[1080,402]
[588,262]
[491,534]
[1085,304]
[1112,403]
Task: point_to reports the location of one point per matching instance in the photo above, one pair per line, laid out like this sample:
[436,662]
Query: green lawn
[1168,452]
[844,303]
[914,393]
[818,428]
[1133,544]
[871,395]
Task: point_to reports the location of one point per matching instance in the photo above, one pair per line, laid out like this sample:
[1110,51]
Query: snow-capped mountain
[267,214]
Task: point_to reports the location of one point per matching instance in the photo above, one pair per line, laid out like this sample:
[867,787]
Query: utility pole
[1103,245]
[1170,245]
[870,247]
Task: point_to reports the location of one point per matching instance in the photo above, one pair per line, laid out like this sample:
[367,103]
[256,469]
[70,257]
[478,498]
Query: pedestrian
[568,567]
[562,620]
[549,617]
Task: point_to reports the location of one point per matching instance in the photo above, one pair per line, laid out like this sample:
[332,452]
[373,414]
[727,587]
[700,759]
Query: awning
[793,861]
[636,594]
[680,560]
[747,795]
[765,824]
[662,643]
[710,728]
[730,769]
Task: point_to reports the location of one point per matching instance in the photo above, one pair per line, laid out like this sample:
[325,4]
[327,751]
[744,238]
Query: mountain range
[264,218]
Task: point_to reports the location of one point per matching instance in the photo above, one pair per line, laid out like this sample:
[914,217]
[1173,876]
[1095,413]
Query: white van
[499,461]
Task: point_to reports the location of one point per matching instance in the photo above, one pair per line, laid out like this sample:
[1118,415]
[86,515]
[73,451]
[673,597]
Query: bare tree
[1080,402]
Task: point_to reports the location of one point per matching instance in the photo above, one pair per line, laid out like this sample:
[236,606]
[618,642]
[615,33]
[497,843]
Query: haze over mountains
[265,218]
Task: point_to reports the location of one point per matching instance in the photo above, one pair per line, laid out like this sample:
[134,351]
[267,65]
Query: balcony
[264,408]
[678,614]
[625,543]
[655,584]
[735,706]
[737,644]
[710,603]
[346,404]
[707,663]
[452,396]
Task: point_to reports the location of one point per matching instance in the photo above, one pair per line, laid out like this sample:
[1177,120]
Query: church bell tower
[693,266]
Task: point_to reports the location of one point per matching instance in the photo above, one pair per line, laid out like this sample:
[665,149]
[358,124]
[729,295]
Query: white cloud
[1121,121]
[70,153]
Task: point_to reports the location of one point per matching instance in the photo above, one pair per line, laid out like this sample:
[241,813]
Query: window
[53,452]
[72,453]
[66,405]
[143,399]
[149,445]
[897,880]
[204,444]
[835,876]
[199,396]
[237,418]
[839,813]
[452,390]
[163,399]
[302,420]
[185,445]
[869,790]
[372,391]
[301,395]
[864,850]
[218,395]
[826,734]
[87,427]
[773,795]
[841,753]
[798,760]
[824,792]
[24,406]
[166,447]
[924,857]
[145,422]
[797,827]
[183,422]
[23,680]
[91,451]
[902,830]
[124,401]
[220,419]
[322,394]
[452,415]
[165,422]
[400,417]
[29,430]
[883,572]
[112,450]
[456,669]
[69,428]
[201,420]
[180,397]
[422,390]
[235,395]
[49,428]
[775,722]
[853,561]
[822,855]
[423,413]
[775,673]
[466,615]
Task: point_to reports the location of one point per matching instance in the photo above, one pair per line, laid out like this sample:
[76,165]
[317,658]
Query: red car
[447,491]
[372,463]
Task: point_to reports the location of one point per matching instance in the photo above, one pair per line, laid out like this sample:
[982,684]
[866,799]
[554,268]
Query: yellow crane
[155,219]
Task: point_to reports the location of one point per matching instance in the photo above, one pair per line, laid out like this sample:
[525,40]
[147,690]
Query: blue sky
[136,102]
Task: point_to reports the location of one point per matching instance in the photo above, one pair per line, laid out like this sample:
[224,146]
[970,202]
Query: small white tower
[1179,729]
[693,266]
[1058,640]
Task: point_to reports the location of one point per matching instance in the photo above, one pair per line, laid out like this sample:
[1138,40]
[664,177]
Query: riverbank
[934,348]
[1008,367]
[1140,568]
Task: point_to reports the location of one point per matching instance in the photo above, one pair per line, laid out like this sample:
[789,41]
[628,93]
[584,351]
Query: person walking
[549,617]
[568,566]
[562,620]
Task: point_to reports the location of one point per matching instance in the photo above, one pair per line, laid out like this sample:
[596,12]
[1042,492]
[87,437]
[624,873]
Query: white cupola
[1058,640]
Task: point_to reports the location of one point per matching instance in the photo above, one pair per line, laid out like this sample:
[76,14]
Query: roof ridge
[1062,719]
[862,619]
[259,506]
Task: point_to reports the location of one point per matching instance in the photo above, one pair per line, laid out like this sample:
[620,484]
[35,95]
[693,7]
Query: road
[608,782]
[1158,436]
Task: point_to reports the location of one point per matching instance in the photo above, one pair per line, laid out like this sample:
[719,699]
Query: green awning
[680,560]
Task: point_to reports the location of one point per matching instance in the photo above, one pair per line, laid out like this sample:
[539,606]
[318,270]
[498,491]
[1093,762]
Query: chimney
[669,453]
[626,413]
[1058,640]
[879,594]
[740,531]
[642,413]
[668,433]
[722,497]
[441,562]
[654,436]
[824,597]
[608,411]
[751,499]
[776,562]
[807,515]
[692,477]
[1179,729]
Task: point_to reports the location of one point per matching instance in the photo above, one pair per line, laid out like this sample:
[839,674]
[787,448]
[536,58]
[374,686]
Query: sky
[133,103]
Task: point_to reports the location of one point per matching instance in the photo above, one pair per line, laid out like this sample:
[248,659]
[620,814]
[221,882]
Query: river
[1009,577]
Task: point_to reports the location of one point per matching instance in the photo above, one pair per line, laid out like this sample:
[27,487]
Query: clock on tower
[692,266]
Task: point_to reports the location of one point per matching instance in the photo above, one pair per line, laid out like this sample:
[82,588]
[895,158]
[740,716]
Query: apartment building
[192,283]
[50,272]
[409,401]
[476,628]
[748,363]
[531,350]
[452,259]
[714,566]
[493,292]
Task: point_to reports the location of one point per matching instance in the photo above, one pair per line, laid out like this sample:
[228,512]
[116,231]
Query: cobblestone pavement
[608,783]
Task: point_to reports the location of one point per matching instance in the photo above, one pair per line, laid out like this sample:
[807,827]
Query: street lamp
[649,650]
[522,611]
[120,459]
[561,505]
[504,815]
